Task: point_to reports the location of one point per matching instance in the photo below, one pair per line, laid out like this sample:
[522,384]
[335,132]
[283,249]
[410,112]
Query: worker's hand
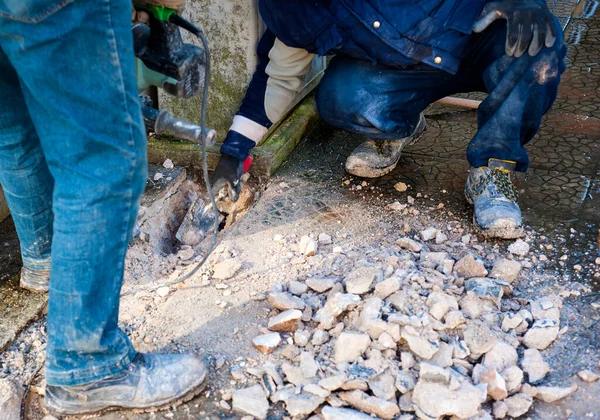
[228,174]
[530,24]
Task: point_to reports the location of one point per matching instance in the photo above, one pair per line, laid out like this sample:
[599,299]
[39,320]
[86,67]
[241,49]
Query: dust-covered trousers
[73,167]
[384,102]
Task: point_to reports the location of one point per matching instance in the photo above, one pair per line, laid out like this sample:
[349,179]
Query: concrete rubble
[407,336]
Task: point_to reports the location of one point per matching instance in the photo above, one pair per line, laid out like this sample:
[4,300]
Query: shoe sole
[367,172]
[499,232]
[96,411]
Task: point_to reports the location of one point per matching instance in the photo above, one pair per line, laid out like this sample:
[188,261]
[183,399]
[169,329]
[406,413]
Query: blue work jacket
[392,32]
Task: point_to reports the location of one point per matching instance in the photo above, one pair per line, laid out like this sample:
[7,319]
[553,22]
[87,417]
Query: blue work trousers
[73,167]
[383,102]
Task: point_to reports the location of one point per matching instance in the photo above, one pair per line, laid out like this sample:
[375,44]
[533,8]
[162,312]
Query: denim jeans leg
[24,175]
[521,90]
[78,77]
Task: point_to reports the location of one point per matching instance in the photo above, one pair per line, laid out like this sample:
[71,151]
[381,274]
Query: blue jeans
[73,167]
[384,102]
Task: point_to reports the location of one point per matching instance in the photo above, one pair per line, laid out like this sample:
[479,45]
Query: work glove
[530,25]
[170,4]
[228,174]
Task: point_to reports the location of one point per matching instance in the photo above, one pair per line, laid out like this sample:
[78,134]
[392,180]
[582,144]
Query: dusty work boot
[494,198]
[152,381]
[35,280]
[375,158]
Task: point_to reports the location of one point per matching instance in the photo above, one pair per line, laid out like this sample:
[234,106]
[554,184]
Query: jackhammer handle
[164,123]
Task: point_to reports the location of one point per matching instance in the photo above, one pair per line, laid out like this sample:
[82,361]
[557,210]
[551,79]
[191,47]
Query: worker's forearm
[275,84]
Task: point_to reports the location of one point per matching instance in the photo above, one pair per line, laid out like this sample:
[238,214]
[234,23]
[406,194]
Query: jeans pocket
[31,11]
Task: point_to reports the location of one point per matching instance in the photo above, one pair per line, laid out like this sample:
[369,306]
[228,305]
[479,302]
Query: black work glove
[228,174]
[530,24]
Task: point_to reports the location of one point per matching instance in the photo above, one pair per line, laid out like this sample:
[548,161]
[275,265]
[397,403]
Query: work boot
[490,190]
[375,158]
[150,382]
[35,280]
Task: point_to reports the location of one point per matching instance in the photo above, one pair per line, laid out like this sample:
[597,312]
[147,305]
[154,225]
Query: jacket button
[437,60]
[376,24]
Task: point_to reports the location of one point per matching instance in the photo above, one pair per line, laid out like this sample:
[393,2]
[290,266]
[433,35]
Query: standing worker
[393,59]
[73,167]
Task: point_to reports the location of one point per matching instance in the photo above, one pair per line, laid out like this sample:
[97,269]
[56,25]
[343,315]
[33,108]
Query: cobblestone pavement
[560,197]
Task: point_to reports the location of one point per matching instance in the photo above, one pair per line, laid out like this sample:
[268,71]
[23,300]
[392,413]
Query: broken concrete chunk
[333,383]
[500,409]
[434,400]
[334,413]
[479,338]
[382,386]
[440,304]
[335,305]
[440,237]
[387,287]
[550,394]
[471,305]
[409,244]
[454,319]
[432,259]
[513,377]
[468,267]
[405,382]
[226,269]
[588,376]
[544,308]
[433,373]
[496,385]
[541,334]
[284,301]
[387,341]
[320,285]
[507,270]
[287,321]
[514,322]
[429,234]
[290,352]
[362,279]
[297,288]
[10,400]
[308,366]
[301,404]
[267,343]
[324,239]
[518,404]
[320,337]
[308,246]
[501,356]
[422,347]
[301,338]
[294,375]
[317,390]
[486,289]
[351,345]
[519,247]
[251,401]
[381,408]
[534,365]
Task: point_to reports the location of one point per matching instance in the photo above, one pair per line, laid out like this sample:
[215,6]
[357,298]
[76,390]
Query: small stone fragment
[513,377]
[158,176]
[284,301]
[433,400]
[550,394]
[335,413]
[496,385]
[387,287]
[251,401]
[361,280]
[519,247]
[428,234]
[486,289]
[163,291]
[417,344]
[10,400]
[409,244]
[308,366]
[507,270]
[226,269]
[168,164]
[301,338]
[454,319]
[501,356]
[333,383]
[297,405]
[479,338]
[500,409]
[335,305]
[290,352]
[297,288]
[351,345]
[320,285]
[541,334]
[400,187]
[320,337]
[382,386]
[588,376]
[308,246]
[440,237]
[433,373]
[267,343]
[287,321]
[544,308]
[381,408]
[440,304]
[405,382]
[534,365]
[468,268]
[324,239]
[518,404]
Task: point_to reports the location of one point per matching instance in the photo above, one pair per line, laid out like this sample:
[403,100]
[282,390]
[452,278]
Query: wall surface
[233,28]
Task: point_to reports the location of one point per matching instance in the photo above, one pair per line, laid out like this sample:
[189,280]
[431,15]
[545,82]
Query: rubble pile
[418,334]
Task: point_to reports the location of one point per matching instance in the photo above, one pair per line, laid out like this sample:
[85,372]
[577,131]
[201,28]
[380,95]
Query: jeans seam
[39,17]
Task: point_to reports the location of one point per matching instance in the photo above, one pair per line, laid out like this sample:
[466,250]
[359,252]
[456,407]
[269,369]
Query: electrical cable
[190,27]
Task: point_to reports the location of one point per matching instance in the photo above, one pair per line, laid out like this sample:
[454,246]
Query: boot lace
[501,179]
